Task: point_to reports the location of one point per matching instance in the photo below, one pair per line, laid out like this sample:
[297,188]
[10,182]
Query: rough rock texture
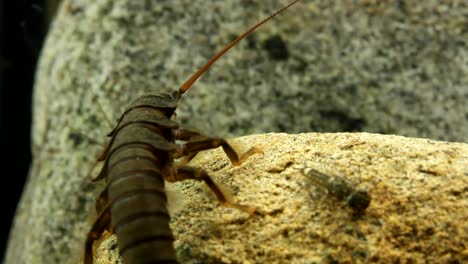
[383,66]
[418,212]
[334,66]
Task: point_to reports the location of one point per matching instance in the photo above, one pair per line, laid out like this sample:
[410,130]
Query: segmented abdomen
[138,157]
[338,187]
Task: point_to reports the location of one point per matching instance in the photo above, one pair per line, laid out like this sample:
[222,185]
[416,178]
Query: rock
[351,66]
[418,211]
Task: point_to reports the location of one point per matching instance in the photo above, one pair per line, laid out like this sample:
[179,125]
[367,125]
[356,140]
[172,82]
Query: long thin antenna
[195,76]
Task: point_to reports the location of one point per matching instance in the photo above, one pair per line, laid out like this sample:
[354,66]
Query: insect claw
[253,211]
[250,210]
[247,154]
[258,212]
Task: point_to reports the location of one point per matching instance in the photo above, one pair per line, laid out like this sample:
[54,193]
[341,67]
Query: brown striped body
[137,161]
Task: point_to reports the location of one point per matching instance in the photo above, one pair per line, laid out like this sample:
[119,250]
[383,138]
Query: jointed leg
[102,223]
[102,201]
[223,195]
[197,142]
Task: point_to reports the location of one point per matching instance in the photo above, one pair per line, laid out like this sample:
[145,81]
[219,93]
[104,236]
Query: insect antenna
[195,76]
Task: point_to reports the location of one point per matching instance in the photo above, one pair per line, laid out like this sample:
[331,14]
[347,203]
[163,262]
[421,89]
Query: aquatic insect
[139,158]
[339,188]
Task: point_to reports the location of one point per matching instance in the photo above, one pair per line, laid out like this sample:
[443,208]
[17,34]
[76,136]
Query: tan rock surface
[417,215]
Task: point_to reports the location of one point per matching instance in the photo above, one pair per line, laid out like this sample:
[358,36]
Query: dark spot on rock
[352,89]
[429,231]
[93,120]
[232,37]
[347,123]
[301,65]
[331,260]
[76,138]
[455,193]
[251,42]
[276,48]
[282,127]
[113,246]
[359,254]
[402,6]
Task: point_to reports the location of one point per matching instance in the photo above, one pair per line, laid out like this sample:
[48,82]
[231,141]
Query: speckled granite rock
[361,65]
[353,66]
[418,212]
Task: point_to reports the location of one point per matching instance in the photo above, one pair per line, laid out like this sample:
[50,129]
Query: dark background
[23,27]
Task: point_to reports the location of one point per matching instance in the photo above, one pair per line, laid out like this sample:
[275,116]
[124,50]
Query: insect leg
[197,142]
[102,201]
[102,157]
[222,194]
[102,223]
